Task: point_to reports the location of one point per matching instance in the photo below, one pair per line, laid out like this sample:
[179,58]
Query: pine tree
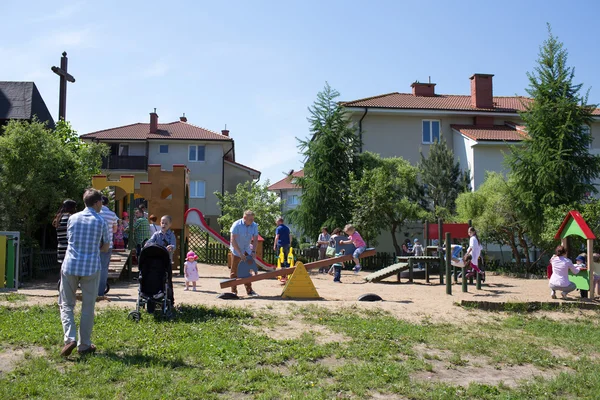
[442,177]
[331,155]
[553,166]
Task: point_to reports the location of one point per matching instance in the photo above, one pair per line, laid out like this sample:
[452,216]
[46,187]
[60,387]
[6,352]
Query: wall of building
[234,176]
[488,158]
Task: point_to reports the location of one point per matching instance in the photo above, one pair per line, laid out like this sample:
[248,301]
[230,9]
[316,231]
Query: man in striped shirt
[88,236]
[111,221]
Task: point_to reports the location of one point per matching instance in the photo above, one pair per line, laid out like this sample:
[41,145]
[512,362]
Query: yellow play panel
[299,285]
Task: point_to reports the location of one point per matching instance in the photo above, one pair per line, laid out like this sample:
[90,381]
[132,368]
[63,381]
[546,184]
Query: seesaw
[288,271]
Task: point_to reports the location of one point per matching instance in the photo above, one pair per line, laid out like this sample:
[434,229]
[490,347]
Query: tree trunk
[395,240]
[510,239]
[525,247]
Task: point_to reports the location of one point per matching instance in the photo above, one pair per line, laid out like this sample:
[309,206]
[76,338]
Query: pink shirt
[560,271]
[357,240]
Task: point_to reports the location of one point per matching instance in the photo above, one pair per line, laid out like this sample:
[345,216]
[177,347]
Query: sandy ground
[413,302]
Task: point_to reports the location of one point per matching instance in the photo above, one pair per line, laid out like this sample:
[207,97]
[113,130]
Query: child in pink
[191,270]
[358,242]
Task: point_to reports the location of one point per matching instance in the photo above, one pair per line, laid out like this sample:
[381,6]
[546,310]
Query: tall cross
[64,78]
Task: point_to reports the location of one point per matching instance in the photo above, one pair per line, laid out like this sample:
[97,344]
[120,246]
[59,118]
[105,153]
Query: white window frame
[160,148]
[430,121]
[196,146]
[588,129]
[294,196]
[194,190]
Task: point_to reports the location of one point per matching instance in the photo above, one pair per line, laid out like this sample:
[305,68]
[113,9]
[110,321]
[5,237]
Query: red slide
[193,216]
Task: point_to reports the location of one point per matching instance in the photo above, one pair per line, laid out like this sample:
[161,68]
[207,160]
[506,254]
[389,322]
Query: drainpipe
[360,128]
[223,170]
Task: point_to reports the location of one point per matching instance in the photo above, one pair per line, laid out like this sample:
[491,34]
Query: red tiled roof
[450,102]
[287,182]
[437,102]
[171,131]
[496,133]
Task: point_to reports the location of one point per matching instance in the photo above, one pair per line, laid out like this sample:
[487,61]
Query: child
[418,251]
[332,244]
[118,243]
[165,237]
[125,229]
[474,251]
[358,242]
[191,270]
[596,258]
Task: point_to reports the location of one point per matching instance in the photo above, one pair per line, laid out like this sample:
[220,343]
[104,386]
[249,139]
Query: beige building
[290,195]
[209,156]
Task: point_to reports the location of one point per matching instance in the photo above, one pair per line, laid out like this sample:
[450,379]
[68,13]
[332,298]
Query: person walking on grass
[244,239]
[359,244]
[111,221]
[88,236]
[560,273]
[283,240]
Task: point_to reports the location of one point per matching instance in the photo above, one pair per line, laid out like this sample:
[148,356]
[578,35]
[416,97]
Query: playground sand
[416,302]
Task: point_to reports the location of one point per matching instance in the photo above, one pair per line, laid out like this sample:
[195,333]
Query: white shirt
[111,221]
[560,271]
[475,248]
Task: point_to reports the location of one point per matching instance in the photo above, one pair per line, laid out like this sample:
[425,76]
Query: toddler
[165,236]
[118,242]
[359,243]
[191,270]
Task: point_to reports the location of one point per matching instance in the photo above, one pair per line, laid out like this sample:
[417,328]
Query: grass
[214,353]
[12,297]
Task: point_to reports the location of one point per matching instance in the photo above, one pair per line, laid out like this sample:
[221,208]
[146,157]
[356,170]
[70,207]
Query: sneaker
[253,294]
[337,281]
[563,295]
[186,289]
[68,349]
[553,294]
[194,289]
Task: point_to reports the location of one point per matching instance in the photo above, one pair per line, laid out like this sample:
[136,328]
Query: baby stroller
[155,282]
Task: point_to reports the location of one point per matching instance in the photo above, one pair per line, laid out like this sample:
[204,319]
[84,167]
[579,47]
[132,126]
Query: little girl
[474,251]
[358,242]
[118,242]
[191,270]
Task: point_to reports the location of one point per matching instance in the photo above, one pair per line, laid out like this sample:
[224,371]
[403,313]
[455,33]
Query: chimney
[225,132]
[183,118]
[481,91]
[423,89]
[153,121]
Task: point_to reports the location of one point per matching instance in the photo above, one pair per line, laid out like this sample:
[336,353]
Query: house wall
[234,176]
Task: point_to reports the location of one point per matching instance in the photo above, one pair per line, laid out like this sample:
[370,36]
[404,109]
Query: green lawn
[215,353]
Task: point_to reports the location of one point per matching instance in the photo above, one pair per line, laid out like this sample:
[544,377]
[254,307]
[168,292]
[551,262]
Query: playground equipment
[299,285]
[193,216]
[575,225]
[9,260]
[167,193]
[281,261]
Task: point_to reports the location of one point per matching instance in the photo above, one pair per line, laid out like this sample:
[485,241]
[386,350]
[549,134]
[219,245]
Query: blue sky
[256,66]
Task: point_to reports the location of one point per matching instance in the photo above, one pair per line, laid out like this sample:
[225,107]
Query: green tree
[331,155]
[250,196]
[38,170]
[442,177]
[385,197]
[553,166]
[492,211]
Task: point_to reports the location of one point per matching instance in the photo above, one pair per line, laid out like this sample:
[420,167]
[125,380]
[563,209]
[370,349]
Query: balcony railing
[125,162]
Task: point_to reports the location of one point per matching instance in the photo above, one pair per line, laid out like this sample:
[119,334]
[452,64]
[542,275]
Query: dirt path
[411,302]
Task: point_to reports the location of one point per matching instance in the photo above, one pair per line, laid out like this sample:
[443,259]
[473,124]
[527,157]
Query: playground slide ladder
[386,272]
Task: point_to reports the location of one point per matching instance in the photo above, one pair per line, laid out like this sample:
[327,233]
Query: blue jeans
[337,276]
[104,263]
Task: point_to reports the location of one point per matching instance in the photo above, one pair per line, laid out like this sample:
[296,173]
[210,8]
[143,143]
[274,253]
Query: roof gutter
[360,131]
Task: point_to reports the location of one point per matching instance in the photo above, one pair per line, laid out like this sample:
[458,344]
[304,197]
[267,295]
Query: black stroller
[155,282]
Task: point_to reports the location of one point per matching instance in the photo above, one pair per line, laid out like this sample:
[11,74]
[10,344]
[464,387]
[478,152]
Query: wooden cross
[64,78]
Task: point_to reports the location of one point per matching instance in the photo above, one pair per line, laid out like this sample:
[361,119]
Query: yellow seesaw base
[299,285]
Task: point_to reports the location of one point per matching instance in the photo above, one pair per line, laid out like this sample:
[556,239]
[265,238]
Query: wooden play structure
[9,260]
[167,193]
[124,189]
[575,225]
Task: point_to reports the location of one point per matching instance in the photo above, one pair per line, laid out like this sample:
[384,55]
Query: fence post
[440,234]
[448,269]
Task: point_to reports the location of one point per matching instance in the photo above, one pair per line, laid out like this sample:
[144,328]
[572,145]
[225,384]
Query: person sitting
[560,273]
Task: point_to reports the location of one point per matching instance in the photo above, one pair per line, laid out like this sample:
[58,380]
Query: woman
[153,227]
[68,208]
[474,251]
[560,273]
[323,243]
[405,248]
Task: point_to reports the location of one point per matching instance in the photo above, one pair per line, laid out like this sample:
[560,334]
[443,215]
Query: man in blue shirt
[283,239]
[88,236]
[244,239]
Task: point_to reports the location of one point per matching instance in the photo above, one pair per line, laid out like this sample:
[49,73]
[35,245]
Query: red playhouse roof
[457,231]
[574,224]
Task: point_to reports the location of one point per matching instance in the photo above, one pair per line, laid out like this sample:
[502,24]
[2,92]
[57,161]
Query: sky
[256,66]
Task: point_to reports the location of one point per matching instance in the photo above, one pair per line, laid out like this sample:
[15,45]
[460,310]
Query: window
[585,129]
[431,131]
[163,149]
[197,189]
[123,149]
[196,153]
[293,200]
